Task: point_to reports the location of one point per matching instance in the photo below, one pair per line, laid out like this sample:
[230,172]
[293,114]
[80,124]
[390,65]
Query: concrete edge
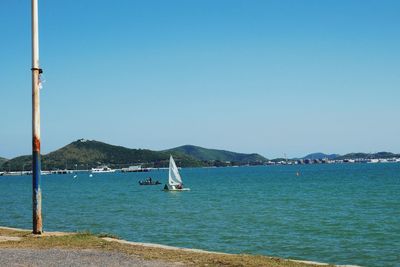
[44,234]
[14,229]
[152,245]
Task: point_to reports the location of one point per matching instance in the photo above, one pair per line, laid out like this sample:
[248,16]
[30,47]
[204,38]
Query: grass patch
[87,240]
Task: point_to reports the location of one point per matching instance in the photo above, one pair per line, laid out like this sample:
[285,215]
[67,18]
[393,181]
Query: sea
[333,213]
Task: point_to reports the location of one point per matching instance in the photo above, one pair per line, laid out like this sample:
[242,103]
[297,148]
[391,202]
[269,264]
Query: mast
[36,71]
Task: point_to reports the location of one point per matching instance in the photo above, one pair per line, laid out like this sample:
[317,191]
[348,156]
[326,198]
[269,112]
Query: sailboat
[174,178]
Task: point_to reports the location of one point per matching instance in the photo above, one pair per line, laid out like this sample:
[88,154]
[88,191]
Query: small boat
[174,178]
[149,181]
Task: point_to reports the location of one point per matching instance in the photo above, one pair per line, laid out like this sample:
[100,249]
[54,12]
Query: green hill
[83,154]
[210,155]
[379,155]
[2,160]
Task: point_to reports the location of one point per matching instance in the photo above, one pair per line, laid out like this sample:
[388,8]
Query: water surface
[342,214]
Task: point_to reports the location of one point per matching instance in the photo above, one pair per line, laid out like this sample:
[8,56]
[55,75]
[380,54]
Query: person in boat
[179,186]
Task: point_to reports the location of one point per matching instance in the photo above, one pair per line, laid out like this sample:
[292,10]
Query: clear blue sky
[270,77]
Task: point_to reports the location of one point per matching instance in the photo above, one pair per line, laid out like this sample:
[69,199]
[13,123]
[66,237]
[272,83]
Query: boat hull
[147,183]
[176,190]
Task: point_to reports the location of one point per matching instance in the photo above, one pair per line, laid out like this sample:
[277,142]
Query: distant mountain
[83,154]
[379,155]
[320,155]
[205,154]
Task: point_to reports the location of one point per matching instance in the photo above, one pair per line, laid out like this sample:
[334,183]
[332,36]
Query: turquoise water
[342,214]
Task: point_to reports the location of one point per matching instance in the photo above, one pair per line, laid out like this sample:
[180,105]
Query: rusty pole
[36,71]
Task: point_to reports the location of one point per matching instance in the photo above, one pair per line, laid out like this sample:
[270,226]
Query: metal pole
[36,192]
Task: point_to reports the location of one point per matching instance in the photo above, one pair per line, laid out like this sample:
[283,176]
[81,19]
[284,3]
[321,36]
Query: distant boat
[137,168]
[149,181]
[174,178]
[102,169]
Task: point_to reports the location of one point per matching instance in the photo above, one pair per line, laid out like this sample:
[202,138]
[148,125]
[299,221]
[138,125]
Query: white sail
[174,177]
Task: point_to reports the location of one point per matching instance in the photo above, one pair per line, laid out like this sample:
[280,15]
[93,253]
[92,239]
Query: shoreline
[16,237]
[19,173]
